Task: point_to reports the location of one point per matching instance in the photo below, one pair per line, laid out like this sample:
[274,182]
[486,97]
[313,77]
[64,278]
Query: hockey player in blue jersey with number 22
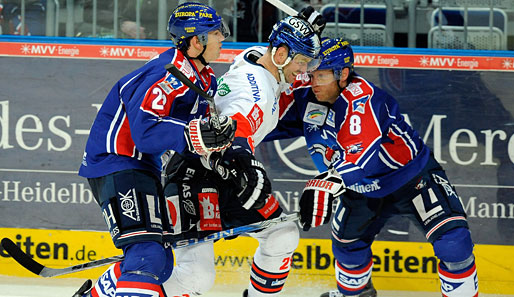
[148,112]
[378,167]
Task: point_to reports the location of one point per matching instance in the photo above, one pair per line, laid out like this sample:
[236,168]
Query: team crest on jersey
[359,105]
[315,114]
[354,148]
[328,154]
[223,88]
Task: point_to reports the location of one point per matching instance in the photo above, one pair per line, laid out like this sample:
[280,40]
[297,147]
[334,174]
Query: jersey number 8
[355,124]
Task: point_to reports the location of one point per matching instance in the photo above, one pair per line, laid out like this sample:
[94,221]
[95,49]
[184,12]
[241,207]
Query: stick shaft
[33,266]
[284,7]
[210,99]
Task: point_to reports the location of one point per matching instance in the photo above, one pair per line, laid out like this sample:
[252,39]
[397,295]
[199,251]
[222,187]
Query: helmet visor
[322,77]
[215,36]
[306,63]
[224,29]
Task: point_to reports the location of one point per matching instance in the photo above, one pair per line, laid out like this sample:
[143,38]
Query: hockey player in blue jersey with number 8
[147,113]
[378,167]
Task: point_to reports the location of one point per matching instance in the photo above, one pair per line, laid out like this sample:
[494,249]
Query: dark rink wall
[47,106]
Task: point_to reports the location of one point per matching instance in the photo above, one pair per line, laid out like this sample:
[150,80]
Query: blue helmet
[194,19]
[298,35]
[336,54]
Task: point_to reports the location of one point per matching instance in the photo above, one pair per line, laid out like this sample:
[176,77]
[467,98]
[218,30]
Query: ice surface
[65,287]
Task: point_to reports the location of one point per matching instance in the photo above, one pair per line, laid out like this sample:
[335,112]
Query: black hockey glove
[183,209]
[203,139]
[317,20]
[192,202]
[317,198]
[248,174]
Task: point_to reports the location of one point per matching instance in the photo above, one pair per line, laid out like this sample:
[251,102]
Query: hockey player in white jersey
[241,191]
[202,200]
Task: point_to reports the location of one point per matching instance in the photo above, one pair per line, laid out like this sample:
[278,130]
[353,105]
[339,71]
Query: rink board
[409,266]
[460,102]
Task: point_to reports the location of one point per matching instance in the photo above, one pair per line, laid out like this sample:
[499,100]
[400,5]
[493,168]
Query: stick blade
[19,256]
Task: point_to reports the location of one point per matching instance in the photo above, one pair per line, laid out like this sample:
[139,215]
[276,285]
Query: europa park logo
[295,155]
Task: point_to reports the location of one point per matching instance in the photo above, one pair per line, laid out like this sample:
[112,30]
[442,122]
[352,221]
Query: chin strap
[280,67]
[199,57]
[337,75]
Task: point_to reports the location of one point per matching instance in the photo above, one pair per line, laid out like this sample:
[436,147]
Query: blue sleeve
[290,124]
[158,110]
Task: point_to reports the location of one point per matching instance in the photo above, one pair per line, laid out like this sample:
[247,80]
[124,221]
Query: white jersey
[249,93]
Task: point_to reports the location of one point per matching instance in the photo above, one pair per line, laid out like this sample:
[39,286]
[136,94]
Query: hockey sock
[106,284]
[266,277]
[459,283]
[272,259]
[145,267]
[138,289]
[352,281]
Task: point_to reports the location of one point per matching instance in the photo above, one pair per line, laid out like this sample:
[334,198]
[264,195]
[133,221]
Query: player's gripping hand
[317,198]
[248,174]
[317,20]
[202,138]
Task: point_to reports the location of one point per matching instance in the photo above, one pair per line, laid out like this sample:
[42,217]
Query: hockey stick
[284,7]
[210,99]
[33,266]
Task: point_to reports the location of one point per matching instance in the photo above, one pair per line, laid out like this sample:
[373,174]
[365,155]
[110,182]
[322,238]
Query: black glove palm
[250,178]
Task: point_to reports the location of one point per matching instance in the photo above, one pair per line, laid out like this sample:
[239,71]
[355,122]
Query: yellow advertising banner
[397,265]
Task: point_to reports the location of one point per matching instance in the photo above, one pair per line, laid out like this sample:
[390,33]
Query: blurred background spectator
[400,23]
[11,17]
[248,19]
[104,20]
[148,18]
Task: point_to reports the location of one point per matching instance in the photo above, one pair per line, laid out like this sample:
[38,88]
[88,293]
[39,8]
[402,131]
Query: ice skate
[369,291]
[83,291]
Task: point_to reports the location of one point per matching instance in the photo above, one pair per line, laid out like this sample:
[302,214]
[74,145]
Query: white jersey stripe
[111,128]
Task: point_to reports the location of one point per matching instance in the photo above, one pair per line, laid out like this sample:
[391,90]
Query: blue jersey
[144,115]
[362,135]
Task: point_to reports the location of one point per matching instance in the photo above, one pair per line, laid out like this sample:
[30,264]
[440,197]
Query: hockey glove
[192,203]
[203,139]
[317,20]
[248,174]
[317,198]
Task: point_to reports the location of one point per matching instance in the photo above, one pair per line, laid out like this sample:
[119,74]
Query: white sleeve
[247,93]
